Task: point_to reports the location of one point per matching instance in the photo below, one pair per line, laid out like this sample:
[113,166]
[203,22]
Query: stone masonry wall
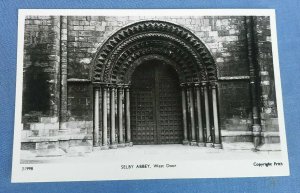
[41,67]
[224,37]
[43,48]
[269,117]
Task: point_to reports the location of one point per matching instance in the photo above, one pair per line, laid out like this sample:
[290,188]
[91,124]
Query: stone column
[54,49]
[96,117]
[217,138]
[104,115]
[113,143]
[120,117]
[201,141]
[63,71]
[207,115]
[184,118]
[253,68]
[127,109]
[192,114]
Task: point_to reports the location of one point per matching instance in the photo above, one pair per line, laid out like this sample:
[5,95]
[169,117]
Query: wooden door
[155,105]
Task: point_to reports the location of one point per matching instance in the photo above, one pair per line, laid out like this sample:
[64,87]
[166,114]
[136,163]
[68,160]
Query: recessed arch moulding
[127,48]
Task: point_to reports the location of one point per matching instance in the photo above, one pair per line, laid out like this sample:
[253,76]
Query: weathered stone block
[271,139]
[38,126]
[234,139]
[28,146]
[25,134]
[48,119]
[52,126]
[73,33]
[231,38]
[89,28]
[213,33]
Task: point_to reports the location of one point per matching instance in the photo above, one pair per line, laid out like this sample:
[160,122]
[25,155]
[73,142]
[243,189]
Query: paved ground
[149,152]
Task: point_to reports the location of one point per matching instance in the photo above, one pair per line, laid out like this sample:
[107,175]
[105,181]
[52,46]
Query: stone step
[270,147]
[41,126]
[52,152]
[238,146]
[250,146]
[80,150]
[48,119]
[39,133]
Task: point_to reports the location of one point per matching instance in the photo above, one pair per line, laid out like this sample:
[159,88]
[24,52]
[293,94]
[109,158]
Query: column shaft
[183,99]
[207,115]
[63,71]
[120,117]
[192,115]
[113,143]
[217,139]
[104,114]
[201,141]
[127,108]
[96,117]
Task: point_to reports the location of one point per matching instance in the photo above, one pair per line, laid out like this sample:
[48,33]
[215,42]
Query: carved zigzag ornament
[192,58]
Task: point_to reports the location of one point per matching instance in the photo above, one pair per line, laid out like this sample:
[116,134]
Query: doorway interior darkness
[155,104]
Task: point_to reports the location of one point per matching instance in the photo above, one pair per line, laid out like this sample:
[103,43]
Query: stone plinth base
[104,147]
[209,144]
[98,148]
[185,142]
[218,146]
[113,146]
[121,145]
[201,144]
[193,143]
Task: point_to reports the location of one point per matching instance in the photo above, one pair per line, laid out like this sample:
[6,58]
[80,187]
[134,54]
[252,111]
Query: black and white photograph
[147,94]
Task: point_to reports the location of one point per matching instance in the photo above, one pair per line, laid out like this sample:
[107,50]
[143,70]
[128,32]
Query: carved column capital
[126,86]
[120,86]
[112,87]
[190,84]
[213,84]
[120,89]
[182,85]
[204,83]
[197,85]
[97,88]
[104,85]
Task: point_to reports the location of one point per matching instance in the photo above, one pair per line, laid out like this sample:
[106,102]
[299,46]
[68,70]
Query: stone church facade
[109,82]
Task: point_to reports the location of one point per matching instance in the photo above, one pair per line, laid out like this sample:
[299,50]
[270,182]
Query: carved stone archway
[168,39]
[116,60]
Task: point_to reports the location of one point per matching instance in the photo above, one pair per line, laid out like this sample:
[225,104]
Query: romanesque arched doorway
[116,68]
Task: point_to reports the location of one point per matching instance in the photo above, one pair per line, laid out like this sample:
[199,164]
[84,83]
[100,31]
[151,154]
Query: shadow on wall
[36,92]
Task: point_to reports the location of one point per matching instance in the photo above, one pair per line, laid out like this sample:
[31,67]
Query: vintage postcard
[147,94]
